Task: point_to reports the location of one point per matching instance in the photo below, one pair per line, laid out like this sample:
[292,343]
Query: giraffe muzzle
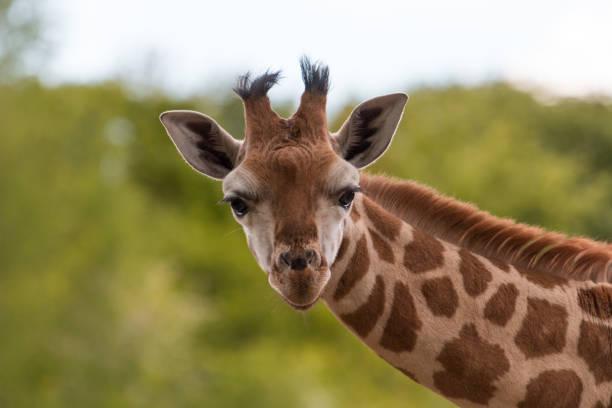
[298,260]
[299,276]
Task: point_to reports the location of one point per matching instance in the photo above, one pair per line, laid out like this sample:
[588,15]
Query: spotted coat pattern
[476,330]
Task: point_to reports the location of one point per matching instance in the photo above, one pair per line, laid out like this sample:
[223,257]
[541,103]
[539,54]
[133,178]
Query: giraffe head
[290,182]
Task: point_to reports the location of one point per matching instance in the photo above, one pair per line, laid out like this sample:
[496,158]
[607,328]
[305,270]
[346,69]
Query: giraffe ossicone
[479,309]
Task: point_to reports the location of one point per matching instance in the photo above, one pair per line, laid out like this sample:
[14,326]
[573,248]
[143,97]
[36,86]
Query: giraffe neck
[474,330]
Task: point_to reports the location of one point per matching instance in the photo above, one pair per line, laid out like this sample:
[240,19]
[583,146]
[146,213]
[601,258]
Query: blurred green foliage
[20,40]
[125,284]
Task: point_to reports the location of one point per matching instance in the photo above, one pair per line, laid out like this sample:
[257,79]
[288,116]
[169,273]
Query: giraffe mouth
[300,289]
[302,307]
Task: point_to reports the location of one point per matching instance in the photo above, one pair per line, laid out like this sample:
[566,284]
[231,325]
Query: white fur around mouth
[303,307]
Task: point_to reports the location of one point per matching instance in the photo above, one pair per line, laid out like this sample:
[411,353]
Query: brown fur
[401,329]
[544,329]
[356,269]
[311,116]
[528,247]
[355,214]
[471,367]
[601,404]
[594,348]
[424,253]
[542,279]
[388,226]
[440,296]
[543,391]
[596,301]
[476,276]
[383,249]
[503,266]
[500,308]
[365,317]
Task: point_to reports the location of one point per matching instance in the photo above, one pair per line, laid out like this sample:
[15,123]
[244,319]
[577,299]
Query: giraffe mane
[523,246]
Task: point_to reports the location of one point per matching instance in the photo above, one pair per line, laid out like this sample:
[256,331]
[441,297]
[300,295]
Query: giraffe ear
[368,131]
[205,146]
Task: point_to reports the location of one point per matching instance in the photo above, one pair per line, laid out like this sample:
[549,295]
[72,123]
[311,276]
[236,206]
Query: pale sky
[372,47]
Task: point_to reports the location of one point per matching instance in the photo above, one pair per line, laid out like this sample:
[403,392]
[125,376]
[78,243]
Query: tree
[20,29]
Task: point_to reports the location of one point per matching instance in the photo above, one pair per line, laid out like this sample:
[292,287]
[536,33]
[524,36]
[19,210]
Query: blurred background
[124,283]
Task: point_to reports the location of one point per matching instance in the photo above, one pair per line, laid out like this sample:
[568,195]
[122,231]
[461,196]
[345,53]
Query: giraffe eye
[346,199]
[239,206]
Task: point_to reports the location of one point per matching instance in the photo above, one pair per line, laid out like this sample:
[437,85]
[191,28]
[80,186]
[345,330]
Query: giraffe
[480,327]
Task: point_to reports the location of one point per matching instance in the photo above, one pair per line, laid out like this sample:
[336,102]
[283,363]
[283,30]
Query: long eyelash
[233,196]
[338,193]
[354,189]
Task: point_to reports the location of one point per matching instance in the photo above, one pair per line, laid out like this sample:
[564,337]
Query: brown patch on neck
[476,276]
[382,247]
[356,269]
[544,329]
[596,301]
[553,389]
[500,308]
[365,317]
[388,225]
[401,329]
[471,366]
[595,348]
[441,296]
[423,253]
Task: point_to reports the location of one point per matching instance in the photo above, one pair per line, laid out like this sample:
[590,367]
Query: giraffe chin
[301,308]
[300,290]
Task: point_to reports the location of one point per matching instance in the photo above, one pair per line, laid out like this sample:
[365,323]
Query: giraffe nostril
[298,259]
[298,263]
[310,256]
[285,258]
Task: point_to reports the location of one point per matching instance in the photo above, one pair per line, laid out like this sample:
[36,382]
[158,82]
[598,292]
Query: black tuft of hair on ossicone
[247,87]
[315,76]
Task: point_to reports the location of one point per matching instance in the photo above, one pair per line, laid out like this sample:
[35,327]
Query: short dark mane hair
[247,87]
[315,76]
